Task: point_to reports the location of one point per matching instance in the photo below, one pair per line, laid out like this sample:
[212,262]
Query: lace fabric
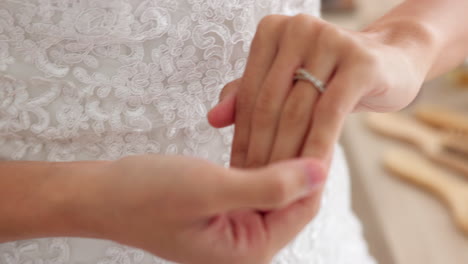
[84,80]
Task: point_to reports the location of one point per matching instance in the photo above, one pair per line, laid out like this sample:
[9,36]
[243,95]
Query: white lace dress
[88,79]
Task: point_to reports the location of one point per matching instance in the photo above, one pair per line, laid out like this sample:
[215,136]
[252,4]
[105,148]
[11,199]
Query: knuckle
[304,26]
[270,25]
[267,21]
[302,19]
[269,30]
[334,109]
[263,109]
[305,19]
[331,36]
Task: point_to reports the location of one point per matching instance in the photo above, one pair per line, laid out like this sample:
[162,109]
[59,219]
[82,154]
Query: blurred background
[410,169]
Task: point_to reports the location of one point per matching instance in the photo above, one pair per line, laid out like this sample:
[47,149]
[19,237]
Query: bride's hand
[192,211]
[276,118]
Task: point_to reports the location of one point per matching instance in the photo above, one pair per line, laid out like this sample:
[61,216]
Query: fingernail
[315,174]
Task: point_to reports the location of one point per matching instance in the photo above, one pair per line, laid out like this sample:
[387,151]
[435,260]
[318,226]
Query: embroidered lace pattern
[83,80]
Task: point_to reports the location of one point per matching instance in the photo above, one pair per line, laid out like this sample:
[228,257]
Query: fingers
[338,100]
[284,224]
[296,116]
[223,114]
[270,188]
[263,51]
[267,109]
[294,122]
[277,86]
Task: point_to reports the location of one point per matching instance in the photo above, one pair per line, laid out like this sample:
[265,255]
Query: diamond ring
[302,74]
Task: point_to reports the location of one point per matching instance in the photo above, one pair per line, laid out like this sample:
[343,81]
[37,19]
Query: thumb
[223,113]
[272,187]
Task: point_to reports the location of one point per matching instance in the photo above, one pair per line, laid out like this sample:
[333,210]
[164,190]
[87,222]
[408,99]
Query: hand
[277,119]
[191,211]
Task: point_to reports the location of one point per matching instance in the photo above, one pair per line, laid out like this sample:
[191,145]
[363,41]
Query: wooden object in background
[443,118]
[432,143]
[412,167]
[459,76]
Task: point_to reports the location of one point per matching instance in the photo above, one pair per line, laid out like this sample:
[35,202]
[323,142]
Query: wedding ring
[303,74]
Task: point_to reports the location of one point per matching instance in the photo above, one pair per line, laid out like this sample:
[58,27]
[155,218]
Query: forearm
[433,32]
[43,199]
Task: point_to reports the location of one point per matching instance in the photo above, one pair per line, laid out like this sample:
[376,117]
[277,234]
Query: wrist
[72,194]
[415,40]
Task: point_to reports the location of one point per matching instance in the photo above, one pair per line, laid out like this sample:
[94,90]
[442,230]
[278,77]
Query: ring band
[303,74]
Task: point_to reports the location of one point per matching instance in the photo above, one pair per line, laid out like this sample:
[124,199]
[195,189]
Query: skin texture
[183,209]
[150,201]
[378,69]
[278,119]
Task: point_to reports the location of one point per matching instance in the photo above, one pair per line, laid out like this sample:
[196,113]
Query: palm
[233,237]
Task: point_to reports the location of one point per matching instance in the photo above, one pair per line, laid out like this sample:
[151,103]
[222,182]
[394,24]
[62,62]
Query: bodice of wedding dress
[85,80]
